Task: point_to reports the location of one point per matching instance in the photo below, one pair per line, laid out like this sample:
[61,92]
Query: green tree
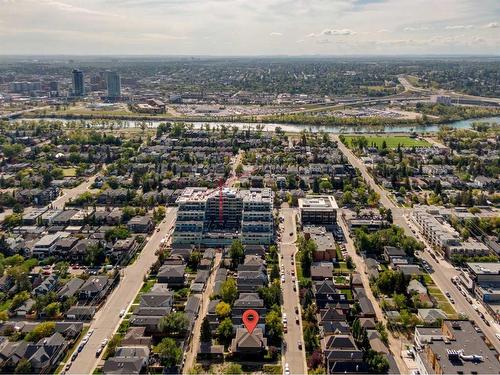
[236,252]
[61,269]
[52,309]
[229,291]
[239,169]
[13,220]
[19,299]
[175,323]
[233,369]
[119,232]
[95,254]
[274,326]
[195,259]
[225,331]
[113,343]
[325,185]
[377,363]
[223,309]
[44,329]
[169,352]
[206,332]
[311,339]
[275,272]
[271,295]
[23,367]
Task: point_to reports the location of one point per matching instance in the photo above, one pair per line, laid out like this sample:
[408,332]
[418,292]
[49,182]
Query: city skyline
[227,28]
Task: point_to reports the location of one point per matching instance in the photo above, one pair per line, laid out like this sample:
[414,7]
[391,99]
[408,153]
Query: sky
[249,27]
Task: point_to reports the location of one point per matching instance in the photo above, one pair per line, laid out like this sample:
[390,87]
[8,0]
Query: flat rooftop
[485,268]
[458,352]
[325,202]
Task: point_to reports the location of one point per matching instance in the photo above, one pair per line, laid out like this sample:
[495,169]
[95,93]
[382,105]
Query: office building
[114,86]
[318,210]
[54,88]
[210,217]
[78,83]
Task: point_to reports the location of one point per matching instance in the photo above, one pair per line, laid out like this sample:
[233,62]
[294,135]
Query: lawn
[442,301]
[391,141]
[69,172]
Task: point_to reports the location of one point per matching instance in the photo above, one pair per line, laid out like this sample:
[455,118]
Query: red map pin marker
[250,319]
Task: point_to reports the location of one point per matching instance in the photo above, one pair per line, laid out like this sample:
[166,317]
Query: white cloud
[419,28]
[492,25]
[332,32]
[74,9]
[337,32]
[208,26]
[458,27]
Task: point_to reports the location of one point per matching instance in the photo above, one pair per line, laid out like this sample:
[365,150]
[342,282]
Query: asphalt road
[294,356]
[73,193]
[443,272]
[107,319]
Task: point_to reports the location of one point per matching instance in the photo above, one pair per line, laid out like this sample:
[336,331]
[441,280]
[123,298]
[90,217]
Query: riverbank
[290,128]
[286,119]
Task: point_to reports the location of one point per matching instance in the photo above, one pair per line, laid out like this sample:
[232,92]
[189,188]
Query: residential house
[247,301]
[326,293]
[94,288]
[173,275]
[140,224]
[249,344]
[342,355]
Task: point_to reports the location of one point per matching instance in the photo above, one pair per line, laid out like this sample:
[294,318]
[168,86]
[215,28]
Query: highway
[292,355]
[454,95]
[443,272]
[107,319]
[19,113]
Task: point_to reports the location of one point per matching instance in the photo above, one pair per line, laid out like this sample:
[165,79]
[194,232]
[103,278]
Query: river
[292,128]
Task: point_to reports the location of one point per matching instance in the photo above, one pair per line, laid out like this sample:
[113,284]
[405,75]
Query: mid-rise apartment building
[213,217]
[441,235]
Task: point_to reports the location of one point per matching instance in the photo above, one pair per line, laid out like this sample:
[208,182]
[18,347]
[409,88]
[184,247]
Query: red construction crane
[221,201]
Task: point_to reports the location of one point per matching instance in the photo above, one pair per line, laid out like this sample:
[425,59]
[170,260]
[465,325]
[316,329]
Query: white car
[497,335]
[282,279]
[287,369]
[122,312]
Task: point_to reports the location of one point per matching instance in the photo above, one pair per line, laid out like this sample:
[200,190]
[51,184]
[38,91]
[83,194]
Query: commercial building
[443,236]
[217,217]
[486,285]
[318,210]
[78,83]
[456,349]
[114,85]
